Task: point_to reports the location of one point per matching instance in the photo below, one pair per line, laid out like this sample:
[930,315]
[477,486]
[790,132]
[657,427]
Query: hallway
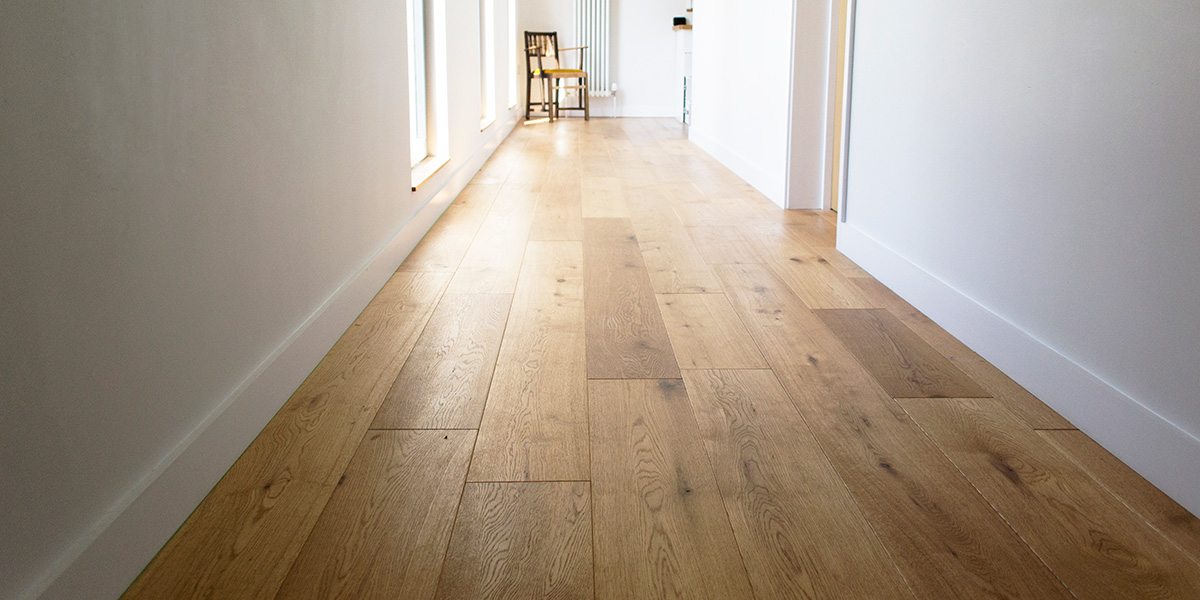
[612,369]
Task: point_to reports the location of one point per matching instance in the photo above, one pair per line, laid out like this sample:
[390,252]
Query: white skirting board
[1159,450]
[769,185]
[106,559]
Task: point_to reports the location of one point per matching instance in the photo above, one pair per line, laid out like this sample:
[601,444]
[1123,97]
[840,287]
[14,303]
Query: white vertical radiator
[591,30]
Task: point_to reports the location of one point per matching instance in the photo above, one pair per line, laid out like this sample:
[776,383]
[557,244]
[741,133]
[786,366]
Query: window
[428,99]
[487,62]
[513,51]
[418,95]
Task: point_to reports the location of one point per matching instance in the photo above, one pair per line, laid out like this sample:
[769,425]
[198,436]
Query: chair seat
[560,72]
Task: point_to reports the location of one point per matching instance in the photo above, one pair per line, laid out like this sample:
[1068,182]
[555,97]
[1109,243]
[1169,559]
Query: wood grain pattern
[385,530]
[445,381]
[814,278]
[811,226]
[818,284]
[1163,513]
[241,540]
[521,540]
[559,213]
[447,241]
[703,214]
[604,198]
[804,479]
[663,532]
[535,422]
[1034,412]
[653,216]
[841,262]
[707,334]
[626,337]
[798,527]
[903,364]
[1088,537]
[529,173]
[722,244]
[675,267]
[493,260]
[945,538]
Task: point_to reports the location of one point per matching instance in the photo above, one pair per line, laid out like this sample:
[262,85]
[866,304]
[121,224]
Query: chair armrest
[580,49]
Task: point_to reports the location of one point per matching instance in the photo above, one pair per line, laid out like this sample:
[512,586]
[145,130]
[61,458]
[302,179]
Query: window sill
[426,169]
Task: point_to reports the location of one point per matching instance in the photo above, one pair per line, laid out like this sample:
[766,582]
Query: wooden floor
[614,370]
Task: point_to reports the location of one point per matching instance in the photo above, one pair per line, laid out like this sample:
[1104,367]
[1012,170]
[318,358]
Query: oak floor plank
[1034,412]
[672,188]
[675,266]
[493,260]
[604,198]
[703,214]
[626,337]
[535,421]
[747,206]
[903,364]
[661,527]
[814,278]
[726,488]
[634,172]
[521,540]
[444,383]
[1088,537]
[1165,514]
[706,333]
[529,173]
[722,244]
[841,262]
[944,537]
[811,226]
[818,284]
[559,213]
[385,530]
[800,227]
[241,540]
[655,220]
[672,259]
[797,525]
[447,241]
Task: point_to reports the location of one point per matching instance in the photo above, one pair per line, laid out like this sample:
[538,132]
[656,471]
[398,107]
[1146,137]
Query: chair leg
[587,100]
[553,101]
[528,97]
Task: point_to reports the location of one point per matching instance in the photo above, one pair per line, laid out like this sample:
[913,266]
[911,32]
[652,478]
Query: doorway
[841,57]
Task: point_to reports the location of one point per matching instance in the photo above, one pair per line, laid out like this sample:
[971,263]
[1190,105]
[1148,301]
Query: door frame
[838,153]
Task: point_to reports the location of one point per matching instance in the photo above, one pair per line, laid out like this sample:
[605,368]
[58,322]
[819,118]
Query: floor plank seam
[469,481]
[724,507]
[462,490]
[423,429]
[358,444]
[988,502]
[841,478]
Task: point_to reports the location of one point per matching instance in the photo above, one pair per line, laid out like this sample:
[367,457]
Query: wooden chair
[543,64]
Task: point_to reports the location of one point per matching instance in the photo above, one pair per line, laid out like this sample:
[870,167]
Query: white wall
[198,197]
[760,103]
[810,148]
[642,54]
[1026,172]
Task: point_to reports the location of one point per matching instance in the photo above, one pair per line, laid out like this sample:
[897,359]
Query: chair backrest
[541,50]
